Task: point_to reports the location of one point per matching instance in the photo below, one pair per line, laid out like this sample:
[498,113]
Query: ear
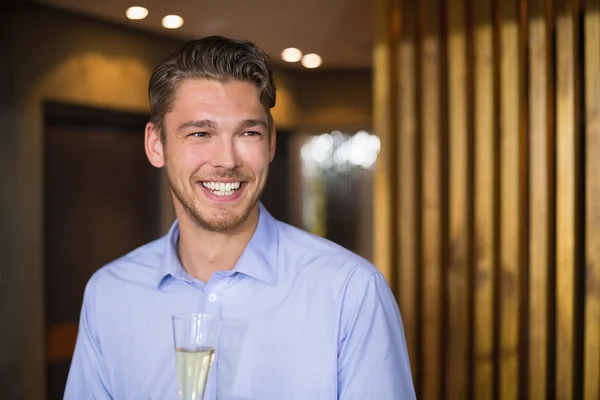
[154,146]
[272,142]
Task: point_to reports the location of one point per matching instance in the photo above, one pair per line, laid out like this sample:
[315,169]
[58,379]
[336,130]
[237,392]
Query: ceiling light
[172,22]
[311,60]
[291,54]
[136,12]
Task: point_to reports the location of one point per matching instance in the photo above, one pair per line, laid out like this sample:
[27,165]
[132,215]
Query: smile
[221,188]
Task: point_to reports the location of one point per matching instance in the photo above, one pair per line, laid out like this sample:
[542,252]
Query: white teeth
[222,189]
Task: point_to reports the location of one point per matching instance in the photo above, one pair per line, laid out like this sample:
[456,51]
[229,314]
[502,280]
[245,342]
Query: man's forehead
[214,94]
[205,84]
[215,115]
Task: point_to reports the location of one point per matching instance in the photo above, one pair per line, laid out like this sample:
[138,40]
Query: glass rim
[196,316]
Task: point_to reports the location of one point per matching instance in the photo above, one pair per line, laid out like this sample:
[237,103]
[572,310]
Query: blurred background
[454,143]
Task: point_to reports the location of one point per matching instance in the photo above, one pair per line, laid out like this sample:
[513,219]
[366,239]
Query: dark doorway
[101,200]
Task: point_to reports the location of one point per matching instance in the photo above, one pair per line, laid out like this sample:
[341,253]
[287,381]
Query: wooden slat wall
[383,122]
[592,218]
[540,220]
[485,229]
[457,344]
[408,198]
[431,201]
[497,259]
[566,177]
[510,196]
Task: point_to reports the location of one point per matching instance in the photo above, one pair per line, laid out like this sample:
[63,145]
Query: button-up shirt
[302,319]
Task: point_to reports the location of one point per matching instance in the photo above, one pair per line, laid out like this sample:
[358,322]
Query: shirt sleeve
[373,359]
[87,375]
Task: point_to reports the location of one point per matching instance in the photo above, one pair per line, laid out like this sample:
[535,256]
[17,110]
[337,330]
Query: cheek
[255,156]
[188,159]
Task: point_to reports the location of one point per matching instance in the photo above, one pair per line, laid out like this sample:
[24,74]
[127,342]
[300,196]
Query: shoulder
[139,266]
[314,252]
[336,273]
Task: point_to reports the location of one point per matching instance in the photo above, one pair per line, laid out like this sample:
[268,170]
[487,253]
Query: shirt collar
[259,259]
[170,265]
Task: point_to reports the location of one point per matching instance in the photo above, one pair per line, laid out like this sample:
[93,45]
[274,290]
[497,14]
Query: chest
[270,348]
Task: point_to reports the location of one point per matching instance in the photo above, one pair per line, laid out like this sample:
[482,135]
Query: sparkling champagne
[193,367]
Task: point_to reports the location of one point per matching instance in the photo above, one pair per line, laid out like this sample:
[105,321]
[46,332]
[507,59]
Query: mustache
[224,174]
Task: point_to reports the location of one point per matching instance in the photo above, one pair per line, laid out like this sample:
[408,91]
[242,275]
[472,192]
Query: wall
[335,99]
[487,193]
[9,310]
[76,60]
[54,55]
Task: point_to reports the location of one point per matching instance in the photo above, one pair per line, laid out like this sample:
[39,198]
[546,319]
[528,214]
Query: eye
[199,134]
[253,134]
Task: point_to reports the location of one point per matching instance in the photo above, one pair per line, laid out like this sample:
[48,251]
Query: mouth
[223,189]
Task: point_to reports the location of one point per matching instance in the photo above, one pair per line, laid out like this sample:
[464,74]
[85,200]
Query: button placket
[214,294]
[213,297]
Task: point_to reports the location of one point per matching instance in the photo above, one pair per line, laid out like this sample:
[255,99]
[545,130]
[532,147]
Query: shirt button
[212,297]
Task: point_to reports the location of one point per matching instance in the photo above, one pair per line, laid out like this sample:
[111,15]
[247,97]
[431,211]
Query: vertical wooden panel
[539,207]
[457,352]
[524,201]
[510,200]
[383,205]
[407,181]
[429,18]
[484,199]
[592,173]
[566,171]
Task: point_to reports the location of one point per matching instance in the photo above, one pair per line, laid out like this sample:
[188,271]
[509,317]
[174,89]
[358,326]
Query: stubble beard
[224,221]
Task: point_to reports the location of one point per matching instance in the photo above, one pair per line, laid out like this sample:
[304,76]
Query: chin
[222,225]
[223,219]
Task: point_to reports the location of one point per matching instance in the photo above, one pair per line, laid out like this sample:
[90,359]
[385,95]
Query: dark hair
[215,58]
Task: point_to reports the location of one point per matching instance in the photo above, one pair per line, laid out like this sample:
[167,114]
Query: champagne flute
[195,343]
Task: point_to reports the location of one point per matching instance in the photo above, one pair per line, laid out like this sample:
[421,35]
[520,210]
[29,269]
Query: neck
[203,252]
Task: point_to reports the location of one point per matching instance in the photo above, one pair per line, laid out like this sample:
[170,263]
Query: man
[302,317]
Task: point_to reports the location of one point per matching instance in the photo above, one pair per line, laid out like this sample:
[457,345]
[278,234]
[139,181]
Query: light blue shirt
[303,319]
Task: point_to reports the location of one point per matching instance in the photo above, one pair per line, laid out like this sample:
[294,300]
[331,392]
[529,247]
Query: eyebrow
[249,123]
[206,123]
[202,123]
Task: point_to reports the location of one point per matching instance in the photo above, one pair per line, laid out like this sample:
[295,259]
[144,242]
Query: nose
[224,154]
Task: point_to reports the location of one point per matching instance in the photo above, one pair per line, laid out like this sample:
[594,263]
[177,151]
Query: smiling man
[302,317]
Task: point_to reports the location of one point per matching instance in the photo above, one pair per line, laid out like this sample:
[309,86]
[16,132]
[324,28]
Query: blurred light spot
[136,12]
[311,60]
[338,152]
[172,22]
[291,54]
